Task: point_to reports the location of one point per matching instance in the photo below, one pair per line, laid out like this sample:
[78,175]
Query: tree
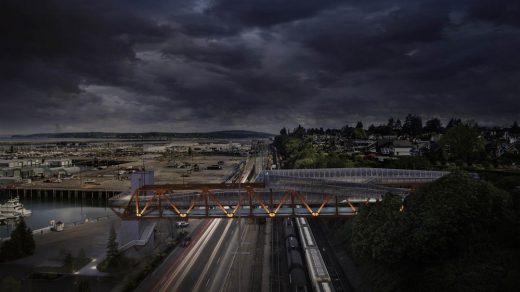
[359,125]
[112,246]
[515,129]
[453,122]
[27,241]
[10,284]
[283,131]
[21,243]
[437,220]
[84,286]
[398,125]
[379,230]
[359,133]
[447,214]
[433,126]
[299,131]
[456,225]
[391,123]
[463,143]
[412,125]
[409,162]
[68,262]
[10,251]
[346,131]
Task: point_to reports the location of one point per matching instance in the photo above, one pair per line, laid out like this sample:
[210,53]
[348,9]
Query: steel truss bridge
[276,193]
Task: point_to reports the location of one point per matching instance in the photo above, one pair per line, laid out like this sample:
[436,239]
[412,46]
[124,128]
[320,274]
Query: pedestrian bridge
[296,192]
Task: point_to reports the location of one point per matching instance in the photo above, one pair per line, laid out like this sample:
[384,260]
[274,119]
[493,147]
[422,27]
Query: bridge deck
[296,192]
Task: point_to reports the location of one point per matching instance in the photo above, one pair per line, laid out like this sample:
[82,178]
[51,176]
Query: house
[385,147]
[402,148]
[506,148]
[59,162]
[396,148]
[422,147]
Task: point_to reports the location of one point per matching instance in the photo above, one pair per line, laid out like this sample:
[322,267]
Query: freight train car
[295,263]
[318,274]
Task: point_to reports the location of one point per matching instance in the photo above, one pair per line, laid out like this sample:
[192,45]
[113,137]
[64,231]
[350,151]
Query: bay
[67,211]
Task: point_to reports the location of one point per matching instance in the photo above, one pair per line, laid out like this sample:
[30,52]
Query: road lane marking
[189,261]
[212,257]
[181,256]
[233,259]
[181,268]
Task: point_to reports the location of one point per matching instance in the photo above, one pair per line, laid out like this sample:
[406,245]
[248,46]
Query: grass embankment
[70,265]
[134,272]
[75,265]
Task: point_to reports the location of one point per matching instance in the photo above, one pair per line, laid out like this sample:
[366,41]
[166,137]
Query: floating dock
[58,193]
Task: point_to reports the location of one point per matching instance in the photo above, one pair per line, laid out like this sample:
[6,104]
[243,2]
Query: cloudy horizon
[260,65]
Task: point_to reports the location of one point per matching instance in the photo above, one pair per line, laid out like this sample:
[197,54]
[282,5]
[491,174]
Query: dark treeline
[413,126]
[459,143]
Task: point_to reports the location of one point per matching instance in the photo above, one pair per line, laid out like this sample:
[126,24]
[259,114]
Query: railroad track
[338,278]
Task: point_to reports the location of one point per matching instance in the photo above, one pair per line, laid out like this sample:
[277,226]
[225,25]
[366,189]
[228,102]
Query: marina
[70,212]
[57,193]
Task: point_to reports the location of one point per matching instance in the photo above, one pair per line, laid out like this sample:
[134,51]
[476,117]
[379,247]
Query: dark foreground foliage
[20,245]
[456,234]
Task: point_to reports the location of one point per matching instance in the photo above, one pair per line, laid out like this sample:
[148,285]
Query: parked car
[182,224]
[186,241]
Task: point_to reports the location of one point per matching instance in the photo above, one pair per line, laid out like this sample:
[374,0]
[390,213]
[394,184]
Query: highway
[224,255]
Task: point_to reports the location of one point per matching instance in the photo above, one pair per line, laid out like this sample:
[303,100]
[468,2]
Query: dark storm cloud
[226,53]
[53,44]
[496,11]
[211,64]
[49,48]
[268,12]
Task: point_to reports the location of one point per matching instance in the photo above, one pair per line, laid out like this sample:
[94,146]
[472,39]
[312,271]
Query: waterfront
[67,211]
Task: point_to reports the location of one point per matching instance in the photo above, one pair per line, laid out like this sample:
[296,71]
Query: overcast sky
[187,65]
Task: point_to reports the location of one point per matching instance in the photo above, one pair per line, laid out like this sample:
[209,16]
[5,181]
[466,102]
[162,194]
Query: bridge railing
[353,173]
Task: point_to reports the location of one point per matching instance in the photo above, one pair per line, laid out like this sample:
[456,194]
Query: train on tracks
[303,254]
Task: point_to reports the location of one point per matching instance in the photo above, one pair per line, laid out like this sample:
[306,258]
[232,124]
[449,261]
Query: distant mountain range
[234,134]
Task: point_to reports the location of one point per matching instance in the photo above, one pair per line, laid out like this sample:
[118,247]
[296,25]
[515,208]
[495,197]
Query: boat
[13,208]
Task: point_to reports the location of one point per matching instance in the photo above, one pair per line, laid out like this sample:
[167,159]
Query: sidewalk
[91,268]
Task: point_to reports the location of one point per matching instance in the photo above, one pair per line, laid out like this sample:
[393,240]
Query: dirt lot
[164,168]
[165,174]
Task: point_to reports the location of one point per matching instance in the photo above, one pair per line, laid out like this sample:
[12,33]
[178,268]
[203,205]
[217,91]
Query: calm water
[65,211]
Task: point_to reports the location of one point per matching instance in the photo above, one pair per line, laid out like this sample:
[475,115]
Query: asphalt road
[224,255]
[240,264]
[91,237]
